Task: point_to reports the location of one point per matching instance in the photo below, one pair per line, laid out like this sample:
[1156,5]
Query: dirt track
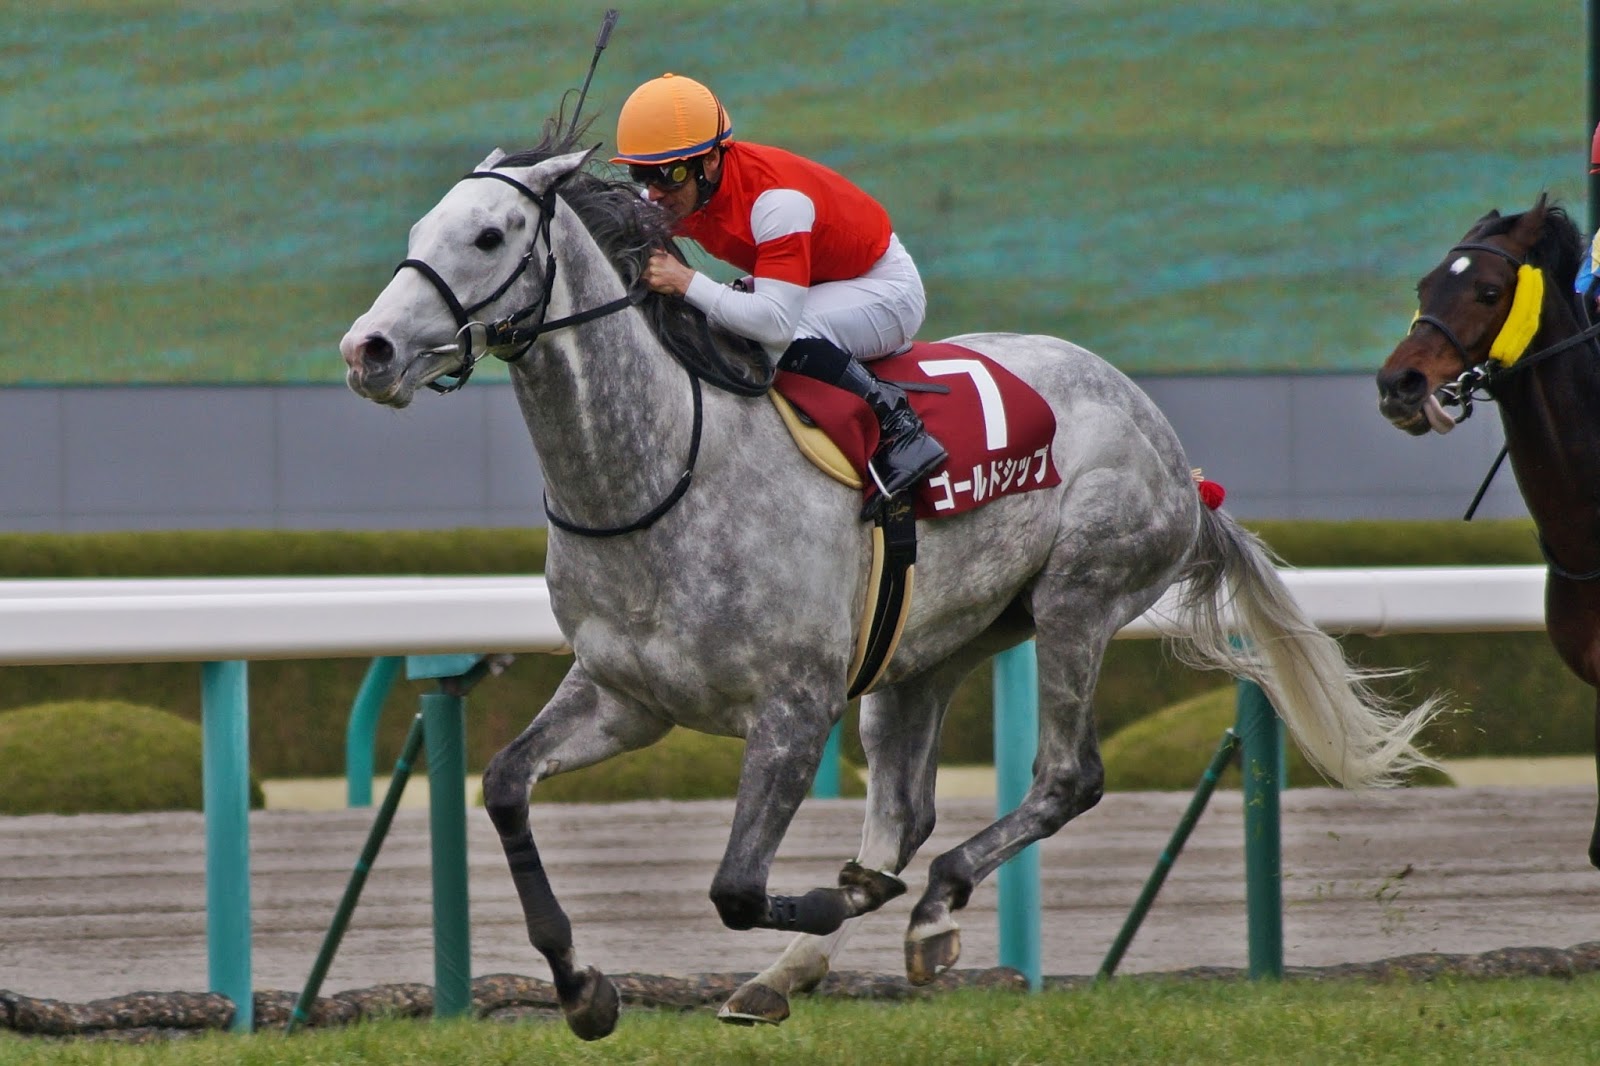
[98,906]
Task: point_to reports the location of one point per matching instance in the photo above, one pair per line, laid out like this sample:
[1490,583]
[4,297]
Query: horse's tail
[1350,733]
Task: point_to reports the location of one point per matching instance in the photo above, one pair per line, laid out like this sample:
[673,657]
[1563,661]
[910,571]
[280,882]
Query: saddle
[999,434]
[997,429]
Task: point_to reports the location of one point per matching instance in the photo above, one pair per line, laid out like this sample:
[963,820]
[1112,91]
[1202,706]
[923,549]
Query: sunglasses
[664,177]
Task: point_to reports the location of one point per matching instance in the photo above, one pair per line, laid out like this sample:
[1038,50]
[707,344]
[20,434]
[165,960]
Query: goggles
[663,177]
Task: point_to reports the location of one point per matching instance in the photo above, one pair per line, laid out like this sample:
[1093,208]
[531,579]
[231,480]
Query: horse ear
[542,174]
[1530,224]
[1478,226]
[490,160]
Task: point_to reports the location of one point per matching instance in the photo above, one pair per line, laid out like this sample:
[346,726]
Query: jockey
[829,283]
[1587,274]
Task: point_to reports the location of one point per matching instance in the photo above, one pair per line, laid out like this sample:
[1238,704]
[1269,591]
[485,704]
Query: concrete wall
[316,457]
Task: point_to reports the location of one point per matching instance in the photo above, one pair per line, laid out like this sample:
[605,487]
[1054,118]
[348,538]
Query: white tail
[1238,615]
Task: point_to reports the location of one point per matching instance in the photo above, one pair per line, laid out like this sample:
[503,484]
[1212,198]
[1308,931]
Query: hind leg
[1076,614]
[581,725]
[900,736]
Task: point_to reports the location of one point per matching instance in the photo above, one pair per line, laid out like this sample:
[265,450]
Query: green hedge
[1170,749]
[101,756]
[1522,701]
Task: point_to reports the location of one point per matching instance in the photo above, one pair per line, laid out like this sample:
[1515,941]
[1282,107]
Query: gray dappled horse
[728,602]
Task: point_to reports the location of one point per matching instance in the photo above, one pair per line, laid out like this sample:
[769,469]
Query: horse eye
[489,240]
[1489,294]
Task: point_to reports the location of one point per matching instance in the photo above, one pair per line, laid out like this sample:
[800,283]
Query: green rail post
[1016,742]
[826,784]
[1180,836]
[361,733]
[1261,767]
[445,739]
[444,729]
[358,877]
[225,787]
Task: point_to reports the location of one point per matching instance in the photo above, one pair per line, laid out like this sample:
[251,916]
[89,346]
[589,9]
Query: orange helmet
[667,118]
[1594,153]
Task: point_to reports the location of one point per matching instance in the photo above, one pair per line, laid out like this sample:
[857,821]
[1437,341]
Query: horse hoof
[592,1012]
[754,1004]
[926,959]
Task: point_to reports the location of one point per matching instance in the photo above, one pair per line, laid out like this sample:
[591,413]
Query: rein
[492,338]
[650,518]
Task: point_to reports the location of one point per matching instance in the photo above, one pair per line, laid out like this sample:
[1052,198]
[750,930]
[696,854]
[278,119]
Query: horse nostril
[376,350]
[1408,386]
[1412,386]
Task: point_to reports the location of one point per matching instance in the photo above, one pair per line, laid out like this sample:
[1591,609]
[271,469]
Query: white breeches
[871,316]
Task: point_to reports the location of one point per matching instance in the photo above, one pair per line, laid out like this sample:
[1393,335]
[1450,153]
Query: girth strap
[894,549]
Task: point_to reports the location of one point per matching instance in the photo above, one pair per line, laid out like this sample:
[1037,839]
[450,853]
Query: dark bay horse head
[1479,310]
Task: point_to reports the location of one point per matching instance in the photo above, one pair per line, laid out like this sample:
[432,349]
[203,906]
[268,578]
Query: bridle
[1481,379]
[475,339]
[515,331]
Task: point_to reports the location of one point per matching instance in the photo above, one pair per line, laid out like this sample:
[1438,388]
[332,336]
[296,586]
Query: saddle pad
[997,429]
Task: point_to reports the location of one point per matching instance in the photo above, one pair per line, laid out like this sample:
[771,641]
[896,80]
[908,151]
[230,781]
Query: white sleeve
[767,316]
[780,222]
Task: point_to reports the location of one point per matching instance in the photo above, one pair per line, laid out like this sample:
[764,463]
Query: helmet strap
[706,188]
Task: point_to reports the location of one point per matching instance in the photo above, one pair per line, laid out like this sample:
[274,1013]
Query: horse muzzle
[375,370]
[1406,401]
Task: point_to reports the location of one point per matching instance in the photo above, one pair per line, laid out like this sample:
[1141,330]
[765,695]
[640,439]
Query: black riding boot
[907,452]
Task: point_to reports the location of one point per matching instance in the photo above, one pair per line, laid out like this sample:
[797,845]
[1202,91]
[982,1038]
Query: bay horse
[1498,319]
[708,576]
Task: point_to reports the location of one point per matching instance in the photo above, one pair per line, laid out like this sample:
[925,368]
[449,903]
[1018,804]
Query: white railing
[206,619]
[210,619]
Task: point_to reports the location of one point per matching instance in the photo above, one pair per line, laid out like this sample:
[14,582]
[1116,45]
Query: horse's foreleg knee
[505,794]
[740,905]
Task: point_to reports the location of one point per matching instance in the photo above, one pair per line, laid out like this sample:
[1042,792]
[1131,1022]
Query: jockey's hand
[666,274]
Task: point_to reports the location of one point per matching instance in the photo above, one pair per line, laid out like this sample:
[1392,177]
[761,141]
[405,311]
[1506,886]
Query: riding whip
[607,23]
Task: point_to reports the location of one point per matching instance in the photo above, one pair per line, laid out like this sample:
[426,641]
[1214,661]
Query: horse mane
[1559,249]
[628,228]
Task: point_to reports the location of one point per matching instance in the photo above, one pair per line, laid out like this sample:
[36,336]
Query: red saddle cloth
[997,429]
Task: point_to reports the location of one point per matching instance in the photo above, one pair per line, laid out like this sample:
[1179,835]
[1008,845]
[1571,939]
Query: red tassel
[1211,494]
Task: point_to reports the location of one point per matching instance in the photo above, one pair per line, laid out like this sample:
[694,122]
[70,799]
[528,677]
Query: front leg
[781,754]
[1594,839]
[1572,621]
[581,725]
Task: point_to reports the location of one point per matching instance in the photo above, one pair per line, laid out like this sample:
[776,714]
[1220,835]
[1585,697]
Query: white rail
[218,619]
[204,619]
